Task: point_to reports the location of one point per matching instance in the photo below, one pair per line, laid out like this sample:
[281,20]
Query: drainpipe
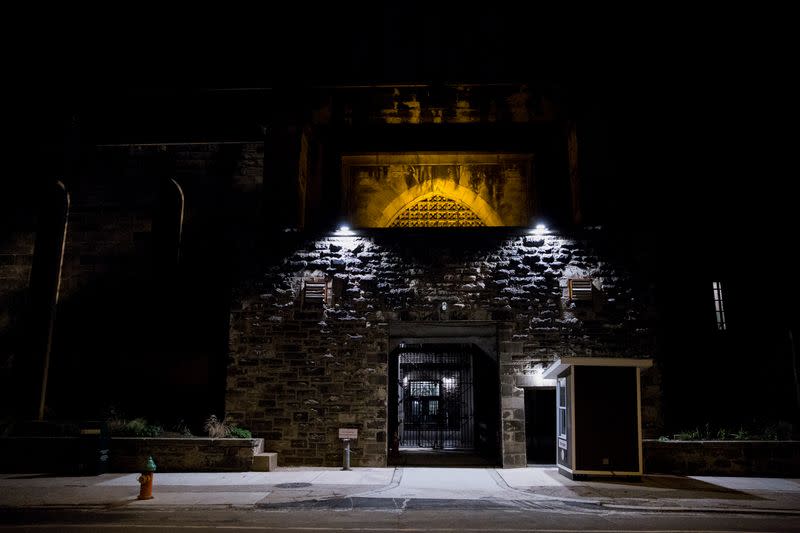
[46,284]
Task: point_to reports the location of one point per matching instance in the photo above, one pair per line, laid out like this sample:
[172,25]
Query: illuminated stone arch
[448,191]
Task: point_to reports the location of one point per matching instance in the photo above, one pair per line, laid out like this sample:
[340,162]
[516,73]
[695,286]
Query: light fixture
[539,229]
[344,229]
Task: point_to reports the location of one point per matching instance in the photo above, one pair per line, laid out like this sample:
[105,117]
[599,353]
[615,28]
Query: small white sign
[348,433]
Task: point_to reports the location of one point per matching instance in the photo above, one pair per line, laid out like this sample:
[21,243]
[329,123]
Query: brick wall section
[16,258]
[296,375]
[652,413]
[112,213]
[112,275]
[110,218]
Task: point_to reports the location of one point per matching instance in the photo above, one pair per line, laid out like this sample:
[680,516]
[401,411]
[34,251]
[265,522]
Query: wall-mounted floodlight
[540,229]
[344,229]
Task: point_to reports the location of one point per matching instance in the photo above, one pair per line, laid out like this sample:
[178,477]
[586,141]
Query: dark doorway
[540,425]
[445,400]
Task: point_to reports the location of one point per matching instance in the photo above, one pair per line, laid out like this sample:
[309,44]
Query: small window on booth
[562,407]
[719,306]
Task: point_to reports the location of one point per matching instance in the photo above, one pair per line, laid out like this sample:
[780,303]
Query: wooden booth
[598,415]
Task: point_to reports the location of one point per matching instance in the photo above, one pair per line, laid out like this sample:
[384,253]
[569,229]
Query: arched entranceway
[444,401]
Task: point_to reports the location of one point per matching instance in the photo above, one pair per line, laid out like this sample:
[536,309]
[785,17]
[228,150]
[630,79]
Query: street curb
[653,508]
[319,504]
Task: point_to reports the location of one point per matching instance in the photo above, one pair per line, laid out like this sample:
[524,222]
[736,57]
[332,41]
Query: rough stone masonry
[297,373]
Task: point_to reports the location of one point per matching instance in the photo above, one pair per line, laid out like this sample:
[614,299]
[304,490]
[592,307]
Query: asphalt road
[440,519]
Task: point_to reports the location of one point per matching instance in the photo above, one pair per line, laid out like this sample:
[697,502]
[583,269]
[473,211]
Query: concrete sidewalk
[406,488]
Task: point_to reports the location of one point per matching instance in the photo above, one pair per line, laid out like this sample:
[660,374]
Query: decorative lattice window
[580,289]
[315,292]
[436,211]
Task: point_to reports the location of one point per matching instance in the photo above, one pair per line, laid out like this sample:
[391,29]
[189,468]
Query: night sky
[694,103]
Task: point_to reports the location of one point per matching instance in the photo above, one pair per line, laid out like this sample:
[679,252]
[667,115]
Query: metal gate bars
[435,397]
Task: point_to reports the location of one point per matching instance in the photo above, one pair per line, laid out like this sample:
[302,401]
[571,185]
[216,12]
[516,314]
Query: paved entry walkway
[404,488]
[446,483]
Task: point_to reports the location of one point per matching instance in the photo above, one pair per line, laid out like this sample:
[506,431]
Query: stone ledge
[184,454]
[732,458]
[128,454]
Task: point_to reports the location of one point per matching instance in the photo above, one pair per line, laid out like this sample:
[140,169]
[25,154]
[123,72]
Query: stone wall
[183,455]
[296,373]
[16,258]
[723,458]
[128,305]
[63,454]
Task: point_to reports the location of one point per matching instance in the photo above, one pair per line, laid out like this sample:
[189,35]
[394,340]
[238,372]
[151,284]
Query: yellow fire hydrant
[146,480]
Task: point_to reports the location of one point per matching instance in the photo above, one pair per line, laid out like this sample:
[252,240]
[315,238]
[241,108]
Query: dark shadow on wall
[143,321]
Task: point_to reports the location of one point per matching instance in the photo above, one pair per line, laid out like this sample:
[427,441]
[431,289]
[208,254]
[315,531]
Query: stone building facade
[169,242]
[295,375]
[442,252]
[270,311]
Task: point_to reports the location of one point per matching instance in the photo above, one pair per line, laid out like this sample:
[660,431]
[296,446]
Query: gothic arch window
[437,189]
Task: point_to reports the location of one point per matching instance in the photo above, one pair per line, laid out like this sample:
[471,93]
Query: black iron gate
[435,397]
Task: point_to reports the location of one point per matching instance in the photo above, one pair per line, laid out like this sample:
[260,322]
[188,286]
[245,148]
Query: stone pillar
[512,401]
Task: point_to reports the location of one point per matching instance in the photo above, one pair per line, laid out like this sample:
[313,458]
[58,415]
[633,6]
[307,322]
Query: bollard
[146,480]
[346,454]
[346,434]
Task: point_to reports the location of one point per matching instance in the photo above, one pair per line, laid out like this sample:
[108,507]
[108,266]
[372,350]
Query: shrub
[181,429]
[216,428]
[756,430]
[138,427]
[240,433]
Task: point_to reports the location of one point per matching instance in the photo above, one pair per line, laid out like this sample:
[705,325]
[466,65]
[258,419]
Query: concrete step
[265,462]
[444,458]
[259,447]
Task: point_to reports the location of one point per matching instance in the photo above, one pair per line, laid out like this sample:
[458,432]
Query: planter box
[128,454]
[726,458]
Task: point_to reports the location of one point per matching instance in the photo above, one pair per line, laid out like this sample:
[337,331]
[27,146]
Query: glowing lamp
[344,229]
